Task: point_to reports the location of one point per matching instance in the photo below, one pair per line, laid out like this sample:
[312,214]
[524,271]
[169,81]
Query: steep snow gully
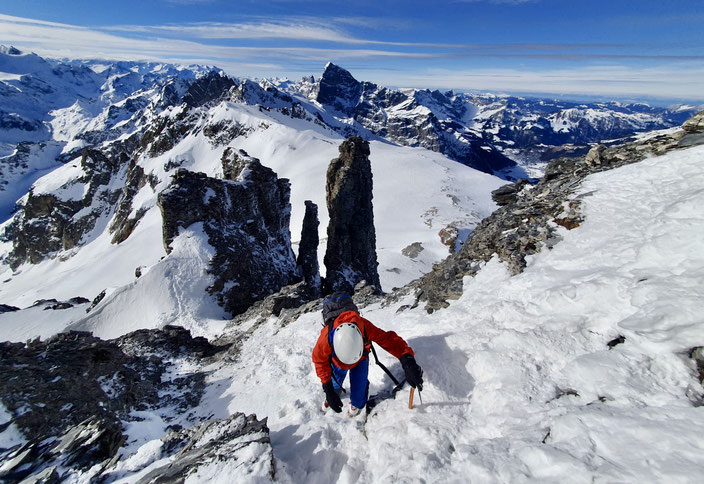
[521,384]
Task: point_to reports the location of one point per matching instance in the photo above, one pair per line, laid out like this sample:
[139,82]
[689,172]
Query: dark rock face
[79,388]
[48,224]
[223,132]
[339,89]
[351,250]
[413,250]
[5,308]
[246,218]
[208,88]
[308,248]
[240,439]
[55,305]
[123,225]
[508,193]
[410,123]
[93,442]
[527,220]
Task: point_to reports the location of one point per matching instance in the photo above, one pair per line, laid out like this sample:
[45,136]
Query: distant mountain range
[156,206]
[81,103]
[87,146]
[482,131]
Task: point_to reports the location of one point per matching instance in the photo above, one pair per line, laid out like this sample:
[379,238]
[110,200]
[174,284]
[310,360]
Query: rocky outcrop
[246,218]
[529,217]
[308,248]
[58,220]
[508,193]
[211,87]
[238,447]
[91,445]
[350,256]
[6,308]
[79,389]
[124,222]
[413,250]
[54,305]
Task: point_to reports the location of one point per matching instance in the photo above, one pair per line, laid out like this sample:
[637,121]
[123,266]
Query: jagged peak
[337,73]
[9,50]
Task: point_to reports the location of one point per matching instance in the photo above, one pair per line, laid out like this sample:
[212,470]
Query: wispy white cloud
[80,42]
[306,46]
[674,82]
[263,30]
[292,29]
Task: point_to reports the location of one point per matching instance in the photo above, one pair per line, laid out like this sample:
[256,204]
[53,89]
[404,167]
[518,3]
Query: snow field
[174,291]
[520,384]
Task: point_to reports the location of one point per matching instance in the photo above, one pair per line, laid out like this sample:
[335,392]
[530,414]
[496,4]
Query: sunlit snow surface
[417,193]
[520,384]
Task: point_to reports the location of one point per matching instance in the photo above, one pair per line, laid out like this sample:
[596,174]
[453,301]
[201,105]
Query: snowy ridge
[561,373]
[520,382]
[417,194]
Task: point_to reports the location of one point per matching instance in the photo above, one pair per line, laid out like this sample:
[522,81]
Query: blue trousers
[358,382]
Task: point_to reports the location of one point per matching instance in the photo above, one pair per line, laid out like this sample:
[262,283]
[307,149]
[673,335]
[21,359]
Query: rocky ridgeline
[70,394]
[405,118]
[529,215]
[246,218]
[350,256]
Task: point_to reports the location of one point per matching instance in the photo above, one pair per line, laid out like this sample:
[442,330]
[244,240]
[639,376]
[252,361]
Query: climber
[343,346]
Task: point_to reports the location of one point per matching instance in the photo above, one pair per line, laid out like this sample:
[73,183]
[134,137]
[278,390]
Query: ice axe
[410,397]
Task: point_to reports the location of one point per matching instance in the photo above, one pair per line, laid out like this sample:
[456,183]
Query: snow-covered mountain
[51,109]
[96,212]
[483,130]
[585,366]
[535,131]
[559,337]
[110,137]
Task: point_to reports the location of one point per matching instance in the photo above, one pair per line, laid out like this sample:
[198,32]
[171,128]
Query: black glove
[332,397]
[414,373]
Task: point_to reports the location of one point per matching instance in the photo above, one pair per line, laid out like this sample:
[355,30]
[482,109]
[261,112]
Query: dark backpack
[336,304]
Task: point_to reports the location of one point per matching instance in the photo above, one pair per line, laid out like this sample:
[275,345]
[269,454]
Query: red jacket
[322,352]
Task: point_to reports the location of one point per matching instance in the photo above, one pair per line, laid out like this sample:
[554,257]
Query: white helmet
[348,343]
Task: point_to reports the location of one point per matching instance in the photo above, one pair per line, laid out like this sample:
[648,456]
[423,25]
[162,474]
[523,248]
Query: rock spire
[351,249]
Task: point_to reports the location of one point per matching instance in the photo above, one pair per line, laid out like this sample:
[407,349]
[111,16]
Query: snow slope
[417,193]
[520,384]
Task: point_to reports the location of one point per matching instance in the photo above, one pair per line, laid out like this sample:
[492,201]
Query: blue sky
[642,49]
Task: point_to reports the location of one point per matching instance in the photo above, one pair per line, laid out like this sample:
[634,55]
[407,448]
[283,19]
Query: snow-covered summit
[9,50]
